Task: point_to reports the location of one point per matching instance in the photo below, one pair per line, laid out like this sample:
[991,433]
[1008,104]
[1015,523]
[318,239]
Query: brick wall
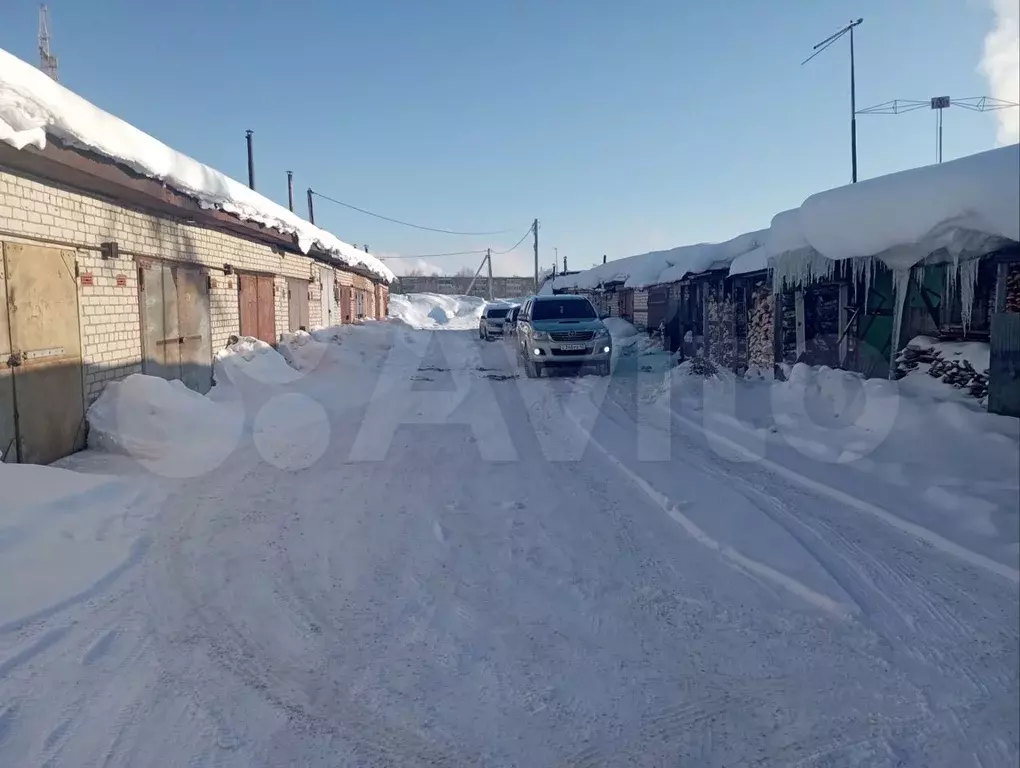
[111,336]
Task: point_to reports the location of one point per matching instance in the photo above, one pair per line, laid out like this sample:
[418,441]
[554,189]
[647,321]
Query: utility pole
[488,260]
[290,190]
[311,207]
[251,159]
[534,229]
[478,271]
[853,86]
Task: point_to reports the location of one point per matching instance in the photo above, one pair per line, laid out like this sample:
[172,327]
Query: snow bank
[170,429]
[433,311]
[253,359]
[304,351]
[62,533]
[32,106]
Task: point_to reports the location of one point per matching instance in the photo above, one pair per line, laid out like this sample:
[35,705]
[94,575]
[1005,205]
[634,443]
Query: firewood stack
[760,340]
[1013,290]
[957,373]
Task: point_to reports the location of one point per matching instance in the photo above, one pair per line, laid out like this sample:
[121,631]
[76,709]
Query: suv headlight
[540,336]
[602,333]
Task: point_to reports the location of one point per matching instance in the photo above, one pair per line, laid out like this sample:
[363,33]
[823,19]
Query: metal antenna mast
[853,87]
[47,61]
[939,104]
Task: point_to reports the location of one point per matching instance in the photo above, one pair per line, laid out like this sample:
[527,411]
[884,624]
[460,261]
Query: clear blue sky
[623,126]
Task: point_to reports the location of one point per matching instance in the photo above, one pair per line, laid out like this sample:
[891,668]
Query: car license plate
[573,347]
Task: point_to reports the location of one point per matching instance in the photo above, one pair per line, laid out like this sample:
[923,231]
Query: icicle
[918,271]
[968,278]
[950,283]
[869,278]
[901,284]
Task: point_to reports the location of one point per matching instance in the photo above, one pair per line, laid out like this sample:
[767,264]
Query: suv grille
[570,352]
[572,335]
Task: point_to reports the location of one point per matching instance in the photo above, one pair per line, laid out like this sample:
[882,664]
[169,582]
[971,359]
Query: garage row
[69,322]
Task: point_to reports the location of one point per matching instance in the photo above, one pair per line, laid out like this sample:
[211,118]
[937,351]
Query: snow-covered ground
[404,554]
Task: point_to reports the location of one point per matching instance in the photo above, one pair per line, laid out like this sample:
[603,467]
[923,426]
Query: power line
[476,252]
[405,223]
[518,243]
[436,255]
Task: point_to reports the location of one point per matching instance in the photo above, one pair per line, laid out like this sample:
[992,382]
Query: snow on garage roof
[33,106]
[660,267]
[969,205]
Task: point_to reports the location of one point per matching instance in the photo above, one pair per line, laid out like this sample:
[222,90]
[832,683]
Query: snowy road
[548,574]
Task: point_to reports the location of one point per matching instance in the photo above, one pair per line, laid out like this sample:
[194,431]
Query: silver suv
[490,324]
[564,331]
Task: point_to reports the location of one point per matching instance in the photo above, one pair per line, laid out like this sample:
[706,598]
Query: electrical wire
[405,223]
[436,255]
[517,244]
[477,252]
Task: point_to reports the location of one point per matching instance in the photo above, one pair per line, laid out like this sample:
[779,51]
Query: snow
[168,428]
[433,310]
[660,267]
[976,353]
[34,107]
[304,351]
[947,212]
[254,359]
[964,206]
[412,555]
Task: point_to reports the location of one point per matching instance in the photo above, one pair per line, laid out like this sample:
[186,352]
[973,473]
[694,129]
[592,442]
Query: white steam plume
[1001,65]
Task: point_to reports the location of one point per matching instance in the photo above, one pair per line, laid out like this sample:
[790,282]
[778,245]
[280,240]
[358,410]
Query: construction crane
[47,61]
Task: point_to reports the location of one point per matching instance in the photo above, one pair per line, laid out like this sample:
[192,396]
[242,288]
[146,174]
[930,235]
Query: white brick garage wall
[111,337]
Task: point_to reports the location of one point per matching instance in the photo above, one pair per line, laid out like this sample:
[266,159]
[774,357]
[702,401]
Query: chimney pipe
[603,258]
[311,208]
[366,249]
[564,263]
[290,190]
[251,159]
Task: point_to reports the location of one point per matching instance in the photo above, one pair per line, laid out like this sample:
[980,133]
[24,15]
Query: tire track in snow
[728,554]
[913,530]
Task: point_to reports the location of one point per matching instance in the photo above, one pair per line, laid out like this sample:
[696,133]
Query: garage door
[176,335]
[257,307]
[330,316]
[297,293]
[42,404]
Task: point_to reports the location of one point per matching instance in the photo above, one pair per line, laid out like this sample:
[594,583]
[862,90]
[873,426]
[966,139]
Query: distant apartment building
[502,287]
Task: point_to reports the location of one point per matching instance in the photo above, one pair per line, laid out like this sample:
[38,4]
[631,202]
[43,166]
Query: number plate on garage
[573,347]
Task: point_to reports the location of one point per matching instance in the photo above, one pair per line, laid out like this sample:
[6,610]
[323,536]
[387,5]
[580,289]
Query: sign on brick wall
[87,278]
[121,281]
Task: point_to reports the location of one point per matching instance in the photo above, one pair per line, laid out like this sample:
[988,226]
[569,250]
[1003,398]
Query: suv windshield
[563,309]
[496,313]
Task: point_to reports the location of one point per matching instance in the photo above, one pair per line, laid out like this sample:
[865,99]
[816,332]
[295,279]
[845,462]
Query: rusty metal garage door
[248,297]
[297,291]
[43,381]
[257,297]
[8,435]
[176,335]
[346,293]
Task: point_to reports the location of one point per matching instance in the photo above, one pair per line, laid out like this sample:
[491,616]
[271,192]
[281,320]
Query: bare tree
[414,272]
[464,272]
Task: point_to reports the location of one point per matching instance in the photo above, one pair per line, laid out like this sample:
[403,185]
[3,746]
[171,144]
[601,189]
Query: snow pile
[304,351]
[628,340]
[72,532]
[32,106]
[170,429]
[253,359]
[433,311]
